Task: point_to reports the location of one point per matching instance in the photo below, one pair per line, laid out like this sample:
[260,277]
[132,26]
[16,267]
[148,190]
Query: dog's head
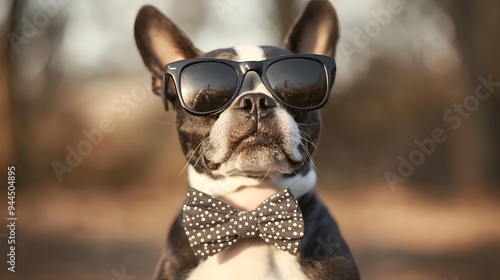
[254,137]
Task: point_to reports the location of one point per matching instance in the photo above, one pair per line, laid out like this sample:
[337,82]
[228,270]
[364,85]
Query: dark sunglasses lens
[299,82]
[207,86]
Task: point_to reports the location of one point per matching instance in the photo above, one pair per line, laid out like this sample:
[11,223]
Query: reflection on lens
[299,82]
[207,86]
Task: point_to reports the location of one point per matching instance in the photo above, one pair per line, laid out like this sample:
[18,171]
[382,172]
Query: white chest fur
[249,259]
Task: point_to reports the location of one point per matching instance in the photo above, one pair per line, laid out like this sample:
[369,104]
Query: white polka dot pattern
[212,225]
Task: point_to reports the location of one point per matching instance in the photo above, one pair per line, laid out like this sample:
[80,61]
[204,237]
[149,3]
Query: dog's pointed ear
[315,30]
[160,42]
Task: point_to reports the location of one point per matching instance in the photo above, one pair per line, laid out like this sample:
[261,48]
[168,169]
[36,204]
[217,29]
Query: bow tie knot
[212,225]
[246,224]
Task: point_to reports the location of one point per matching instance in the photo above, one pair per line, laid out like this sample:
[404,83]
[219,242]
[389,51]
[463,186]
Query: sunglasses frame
[173,71]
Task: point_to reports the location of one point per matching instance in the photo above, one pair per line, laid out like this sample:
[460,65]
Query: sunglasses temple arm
[164,90]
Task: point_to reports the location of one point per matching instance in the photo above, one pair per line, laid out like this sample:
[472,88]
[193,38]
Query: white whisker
[267,173]
[309,156]
[241,170]
[162,122]
[201,155]
[310,142]
[303,133]
[305,124]
[194,152]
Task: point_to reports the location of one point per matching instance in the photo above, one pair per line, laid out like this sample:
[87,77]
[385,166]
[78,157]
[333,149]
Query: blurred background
[409,160]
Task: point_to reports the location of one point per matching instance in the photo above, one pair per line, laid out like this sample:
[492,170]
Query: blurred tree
[478,34]
[6,149]
[285,9]
[34,73]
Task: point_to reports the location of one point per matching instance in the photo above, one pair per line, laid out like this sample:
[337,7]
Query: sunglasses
[206,86]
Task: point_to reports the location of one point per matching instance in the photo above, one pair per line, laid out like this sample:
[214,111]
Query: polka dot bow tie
[212,225]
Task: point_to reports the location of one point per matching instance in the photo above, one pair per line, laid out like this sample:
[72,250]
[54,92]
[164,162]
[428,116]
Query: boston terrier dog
[248,122]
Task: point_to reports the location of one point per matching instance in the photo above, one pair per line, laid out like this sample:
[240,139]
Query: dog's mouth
[255,156]
[255,141]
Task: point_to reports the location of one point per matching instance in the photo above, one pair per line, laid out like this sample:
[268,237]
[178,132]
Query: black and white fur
[249,151]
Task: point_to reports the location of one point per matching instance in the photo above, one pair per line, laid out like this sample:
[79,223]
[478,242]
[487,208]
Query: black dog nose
[255,103]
